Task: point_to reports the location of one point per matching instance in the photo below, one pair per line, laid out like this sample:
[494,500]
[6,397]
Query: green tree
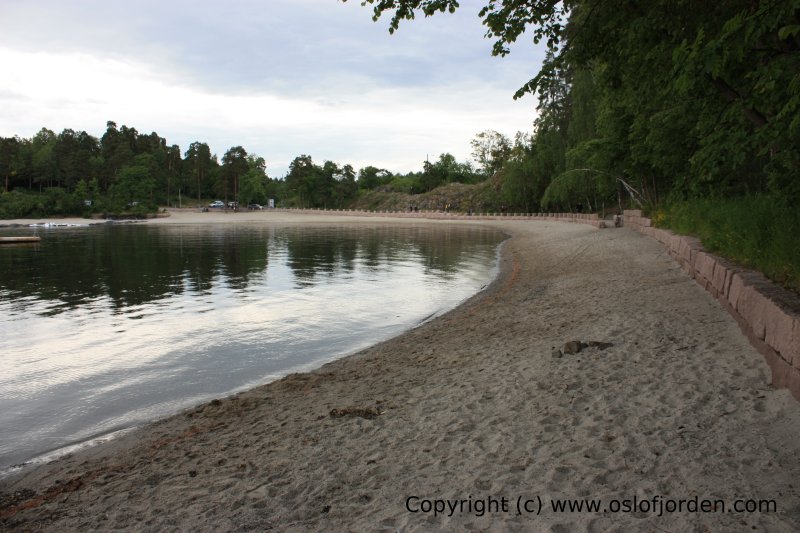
[234,166]
[43,160]
[9,159]
[198,162]
[490,150]
[371,177]
[303,181]
[173,170]
[346,186]
[253,183]
[134,185]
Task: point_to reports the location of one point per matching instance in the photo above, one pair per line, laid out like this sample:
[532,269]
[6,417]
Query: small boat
[16,240]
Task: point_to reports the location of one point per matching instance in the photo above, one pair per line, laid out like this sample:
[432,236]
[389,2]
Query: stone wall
[768,314]
[591,219]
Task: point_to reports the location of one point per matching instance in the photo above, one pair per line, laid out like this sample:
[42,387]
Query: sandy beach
[474,421]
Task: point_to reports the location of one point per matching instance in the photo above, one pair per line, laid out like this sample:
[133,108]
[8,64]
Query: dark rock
[599,345]
[363,412]
[573,347]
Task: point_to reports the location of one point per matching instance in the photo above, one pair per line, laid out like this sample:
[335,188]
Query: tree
[370,177]
[345,188]
[134,184]
[234,166]
[173,169]
[198,161]
[253,187]
[490,150]
[43,161]
[117,149]
[9,159]
[303,180]
[73,152]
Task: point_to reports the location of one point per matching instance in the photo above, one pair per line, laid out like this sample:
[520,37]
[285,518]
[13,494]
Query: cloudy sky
[281,78]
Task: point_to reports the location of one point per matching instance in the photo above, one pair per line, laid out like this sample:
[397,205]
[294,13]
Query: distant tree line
[127,172]
[74,172]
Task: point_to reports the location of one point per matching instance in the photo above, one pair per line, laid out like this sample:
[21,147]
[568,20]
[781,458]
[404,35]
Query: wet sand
[666,402]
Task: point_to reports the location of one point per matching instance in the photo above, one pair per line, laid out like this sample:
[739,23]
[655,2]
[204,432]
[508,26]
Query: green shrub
[759,232]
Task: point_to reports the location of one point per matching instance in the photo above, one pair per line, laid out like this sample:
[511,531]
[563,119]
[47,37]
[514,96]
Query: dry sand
[471,406]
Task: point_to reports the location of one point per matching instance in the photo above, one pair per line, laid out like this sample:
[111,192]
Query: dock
[16,240]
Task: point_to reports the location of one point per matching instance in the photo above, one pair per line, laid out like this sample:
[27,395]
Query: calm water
[103,328]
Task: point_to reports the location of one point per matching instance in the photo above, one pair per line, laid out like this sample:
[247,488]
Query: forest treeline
[124,171]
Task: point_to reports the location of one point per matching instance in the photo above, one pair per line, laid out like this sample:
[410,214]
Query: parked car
[217,203]
[233,205]
[255,206]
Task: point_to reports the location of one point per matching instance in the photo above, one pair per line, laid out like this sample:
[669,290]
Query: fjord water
[103,328]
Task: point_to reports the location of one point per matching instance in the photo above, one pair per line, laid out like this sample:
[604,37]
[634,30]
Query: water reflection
[135,265]
[105,327]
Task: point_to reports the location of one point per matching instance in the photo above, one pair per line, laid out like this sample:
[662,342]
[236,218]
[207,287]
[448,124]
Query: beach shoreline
[666,398]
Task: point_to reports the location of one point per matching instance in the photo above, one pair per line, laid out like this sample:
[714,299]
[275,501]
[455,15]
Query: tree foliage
[73,172]
[490,149]
[670,99]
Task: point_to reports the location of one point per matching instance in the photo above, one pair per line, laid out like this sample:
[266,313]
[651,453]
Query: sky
[281,78]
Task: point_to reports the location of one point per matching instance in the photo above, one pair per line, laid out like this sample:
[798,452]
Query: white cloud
[352,94]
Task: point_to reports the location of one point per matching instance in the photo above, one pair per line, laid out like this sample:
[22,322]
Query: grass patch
[755,231]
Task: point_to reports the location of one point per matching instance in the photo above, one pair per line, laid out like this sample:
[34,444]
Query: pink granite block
[794,344]
[705,263]
[686,266]
[736,289]
[783,322]
[712,290]
[685,246]
[754,307]
[729,280]
[723,272]
[718,278]
[694,252]
[699,278]
[697,258]
[779,330]
[663,236]
[675,243]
